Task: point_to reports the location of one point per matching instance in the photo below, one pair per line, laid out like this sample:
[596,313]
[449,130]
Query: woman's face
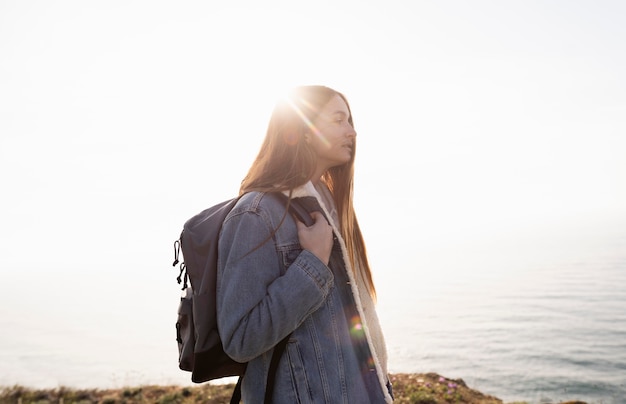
[332,136]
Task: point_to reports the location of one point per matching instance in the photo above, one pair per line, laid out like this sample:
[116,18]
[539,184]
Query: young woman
[277,276]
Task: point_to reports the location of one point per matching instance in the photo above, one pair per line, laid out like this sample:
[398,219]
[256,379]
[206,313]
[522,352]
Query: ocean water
[540,319]
[544,323]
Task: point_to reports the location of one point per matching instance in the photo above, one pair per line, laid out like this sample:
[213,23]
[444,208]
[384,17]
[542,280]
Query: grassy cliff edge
[426,388]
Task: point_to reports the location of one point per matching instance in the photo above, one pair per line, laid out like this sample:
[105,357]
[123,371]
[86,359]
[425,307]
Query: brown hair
[285,162]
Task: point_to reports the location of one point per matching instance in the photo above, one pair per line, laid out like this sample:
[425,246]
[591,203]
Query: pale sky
[120,119]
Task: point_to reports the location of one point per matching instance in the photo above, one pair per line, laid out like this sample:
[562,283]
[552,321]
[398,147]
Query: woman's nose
[351,133]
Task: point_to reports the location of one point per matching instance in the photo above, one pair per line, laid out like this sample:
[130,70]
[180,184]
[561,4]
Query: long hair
[286,162]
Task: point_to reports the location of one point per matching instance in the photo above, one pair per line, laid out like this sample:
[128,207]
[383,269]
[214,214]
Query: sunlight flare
[306,120]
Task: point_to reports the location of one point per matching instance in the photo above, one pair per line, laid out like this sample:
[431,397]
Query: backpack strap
[279,349]
[295,208]
[236,398]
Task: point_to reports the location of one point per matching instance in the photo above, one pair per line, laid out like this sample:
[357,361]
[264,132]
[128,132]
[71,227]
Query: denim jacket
[269,287]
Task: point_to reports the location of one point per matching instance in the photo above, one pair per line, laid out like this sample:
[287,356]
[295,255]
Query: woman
[277,276]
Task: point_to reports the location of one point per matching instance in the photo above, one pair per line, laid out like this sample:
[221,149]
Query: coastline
[408,388]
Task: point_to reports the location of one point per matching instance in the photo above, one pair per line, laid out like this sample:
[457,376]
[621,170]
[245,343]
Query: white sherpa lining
[308,189]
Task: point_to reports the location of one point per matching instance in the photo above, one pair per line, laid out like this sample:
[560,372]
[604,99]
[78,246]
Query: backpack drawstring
[182,267]
[176,252]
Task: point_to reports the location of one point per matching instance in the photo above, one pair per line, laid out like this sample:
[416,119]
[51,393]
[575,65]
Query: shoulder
[260,204]
[257,201]
[249,201]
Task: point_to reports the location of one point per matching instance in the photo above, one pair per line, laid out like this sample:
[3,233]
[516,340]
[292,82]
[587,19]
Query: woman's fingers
[317,238]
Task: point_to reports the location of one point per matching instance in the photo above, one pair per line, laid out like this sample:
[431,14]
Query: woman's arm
[256,306]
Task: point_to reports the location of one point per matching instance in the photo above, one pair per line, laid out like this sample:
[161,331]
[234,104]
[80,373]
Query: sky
[477,122]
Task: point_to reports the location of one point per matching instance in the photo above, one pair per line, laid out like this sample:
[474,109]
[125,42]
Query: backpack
[199,344]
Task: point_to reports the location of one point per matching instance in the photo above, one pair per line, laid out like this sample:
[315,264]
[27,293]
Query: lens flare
[306,120]
[356,327]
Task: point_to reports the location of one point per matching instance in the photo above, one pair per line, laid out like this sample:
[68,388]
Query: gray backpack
[199,344]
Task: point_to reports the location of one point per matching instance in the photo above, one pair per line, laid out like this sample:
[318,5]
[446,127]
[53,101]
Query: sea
[540,319]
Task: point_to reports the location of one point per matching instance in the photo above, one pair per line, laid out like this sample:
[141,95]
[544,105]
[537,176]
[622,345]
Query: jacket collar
[305,190]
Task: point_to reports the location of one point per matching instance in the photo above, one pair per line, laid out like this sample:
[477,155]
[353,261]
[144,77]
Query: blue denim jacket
[268,287]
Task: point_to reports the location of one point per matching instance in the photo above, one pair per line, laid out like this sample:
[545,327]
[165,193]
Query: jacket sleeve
[256,305]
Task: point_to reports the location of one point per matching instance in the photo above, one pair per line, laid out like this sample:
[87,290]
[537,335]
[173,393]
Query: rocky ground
[428,388]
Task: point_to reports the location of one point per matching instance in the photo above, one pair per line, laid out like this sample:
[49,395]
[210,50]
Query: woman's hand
[318,239]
